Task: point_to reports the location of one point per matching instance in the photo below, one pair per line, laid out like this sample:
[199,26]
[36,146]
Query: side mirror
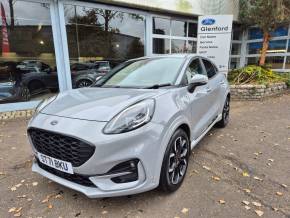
[197,80]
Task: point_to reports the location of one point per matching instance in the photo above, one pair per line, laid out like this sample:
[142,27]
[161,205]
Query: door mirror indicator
[197,80]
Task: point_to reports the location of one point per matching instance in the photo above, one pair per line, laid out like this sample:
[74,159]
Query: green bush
[286,76]
[253,74]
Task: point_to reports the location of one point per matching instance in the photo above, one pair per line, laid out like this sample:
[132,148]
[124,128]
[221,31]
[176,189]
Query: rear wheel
[84,83]
[175,162]
[225,115]
[36,87]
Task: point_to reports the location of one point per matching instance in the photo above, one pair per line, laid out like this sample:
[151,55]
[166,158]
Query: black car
[21,80]
[85,74]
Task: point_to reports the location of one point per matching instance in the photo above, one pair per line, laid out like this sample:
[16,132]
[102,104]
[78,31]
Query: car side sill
[195,142]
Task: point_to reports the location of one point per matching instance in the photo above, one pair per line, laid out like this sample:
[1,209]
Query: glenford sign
[214,39]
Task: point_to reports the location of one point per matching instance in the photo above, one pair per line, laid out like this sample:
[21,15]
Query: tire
[175,162]
[25,94]
[225,115]
[53,90]
[36,87]
[84,83]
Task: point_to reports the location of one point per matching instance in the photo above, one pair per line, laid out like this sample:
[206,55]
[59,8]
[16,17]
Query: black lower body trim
[76,178]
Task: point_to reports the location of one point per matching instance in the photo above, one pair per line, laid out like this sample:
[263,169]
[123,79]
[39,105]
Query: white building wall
[187,7]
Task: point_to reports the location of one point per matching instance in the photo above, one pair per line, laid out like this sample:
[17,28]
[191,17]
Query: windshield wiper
[157,86]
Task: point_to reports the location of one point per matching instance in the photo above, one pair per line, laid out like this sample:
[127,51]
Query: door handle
[222,82]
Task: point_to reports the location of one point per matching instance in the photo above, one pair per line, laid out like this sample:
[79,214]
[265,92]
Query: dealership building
[49,46]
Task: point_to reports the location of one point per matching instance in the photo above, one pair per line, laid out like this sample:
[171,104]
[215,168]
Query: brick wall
[257,92]
[16,114]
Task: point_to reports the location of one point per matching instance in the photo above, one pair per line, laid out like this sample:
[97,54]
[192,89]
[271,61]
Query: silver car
[133,130]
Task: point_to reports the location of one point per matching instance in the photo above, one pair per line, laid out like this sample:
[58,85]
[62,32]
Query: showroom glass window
[173,36]
[27,62]
[287,63]
[277,51]
[256,33]
[99,39]
[275,46]
[235,63]
[236,45]
[276,62]
[236,49]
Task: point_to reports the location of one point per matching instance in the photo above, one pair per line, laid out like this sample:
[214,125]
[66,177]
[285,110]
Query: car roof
[179,55]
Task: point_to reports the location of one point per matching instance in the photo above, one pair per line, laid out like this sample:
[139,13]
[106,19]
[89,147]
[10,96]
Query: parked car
[33,66]
[8,81]
[6,69]
[133,130]
[25,79]
[21,80]
[85,74]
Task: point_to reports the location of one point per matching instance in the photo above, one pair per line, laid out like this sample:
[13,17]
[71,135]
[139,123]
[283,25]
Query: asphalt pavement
[239,171]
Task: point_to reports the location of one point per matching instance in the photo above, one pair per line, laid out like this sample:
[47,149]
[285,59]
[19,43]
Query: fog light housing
[129,167]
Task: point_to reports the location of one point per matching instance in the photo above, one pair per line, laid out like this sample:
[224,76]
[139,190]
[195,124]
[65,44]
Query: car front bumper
[143,144]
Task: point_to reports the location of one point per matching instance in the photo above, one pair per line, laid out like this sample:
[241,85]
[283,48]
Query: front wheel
[175,162]
[225,115]
[25,94]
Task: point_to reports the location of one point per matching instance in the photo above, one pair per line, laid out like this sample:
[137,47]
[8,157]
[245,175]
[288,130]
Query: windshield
[146,72]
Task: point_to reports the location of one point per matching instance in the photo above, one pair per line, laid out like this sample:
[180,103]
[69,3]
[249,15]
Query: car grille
[79,179]
[61,147]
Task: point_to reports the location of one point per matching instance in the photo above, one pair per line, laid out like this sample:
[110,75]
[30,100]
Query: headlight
[131,118]
[44,103]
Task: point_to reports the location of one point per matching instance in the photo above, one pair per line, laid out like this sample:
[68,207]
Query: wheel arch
[179,122]
[29,84]
[185,127]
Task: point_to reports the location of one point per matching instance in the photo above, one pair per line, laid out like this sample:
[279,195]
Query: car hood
[97,104]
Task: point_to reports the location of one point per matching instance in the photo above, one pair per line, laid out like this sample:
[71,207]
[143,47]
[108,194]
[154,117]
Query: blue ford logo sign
[208,21]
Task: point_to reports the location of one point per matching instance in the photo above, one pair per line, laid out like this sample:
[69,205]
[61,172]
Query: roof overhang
[180,7]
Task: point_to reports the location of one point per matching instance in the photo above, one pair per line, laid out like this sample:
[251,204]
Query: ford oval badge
[208,21]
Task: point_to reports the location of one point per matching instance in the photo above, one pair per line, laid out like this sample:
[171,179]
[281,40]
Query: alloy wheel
[226,110]
[25,94]
[84,83]
[178,160]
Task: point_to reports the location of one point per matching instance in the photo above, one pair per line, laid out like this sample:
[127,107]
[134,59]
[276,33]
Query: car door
[214,91]
[51,79]
[198,99]
[48,76]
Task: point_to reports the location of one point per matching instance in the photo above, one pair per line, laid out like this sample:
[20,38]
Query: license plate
[60,165]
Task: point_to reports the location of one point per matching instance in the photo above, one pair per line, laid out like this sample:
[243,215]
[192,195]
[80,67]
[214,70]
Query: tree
[267,15]
[101,19]
[104,33]
[11,3]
